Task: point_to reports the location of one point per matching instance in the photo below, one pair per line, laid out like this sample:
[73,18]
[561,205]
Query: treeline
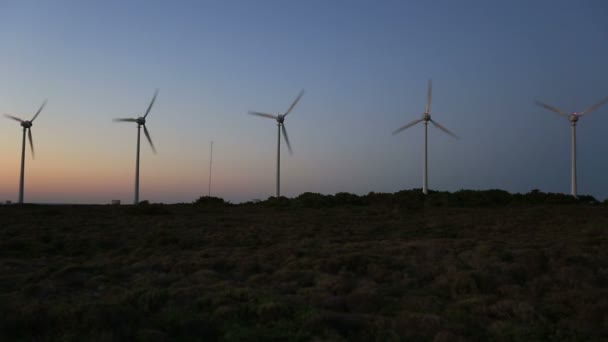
[412,199]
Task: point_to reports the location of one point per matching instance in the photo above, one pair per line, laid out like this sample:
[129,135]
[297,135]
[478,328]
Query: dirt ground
[187,272]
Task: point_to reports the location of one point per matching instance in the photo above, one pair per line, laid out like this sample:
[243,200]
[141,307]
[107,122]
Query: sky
[363,64]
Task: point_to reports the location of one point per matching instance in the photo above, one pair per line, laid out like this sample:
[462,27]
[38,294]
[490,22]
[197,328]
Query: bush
[345,198]
[537,197]
[480,198]
[210,201]
[145,208]
[276,202]
[410,198]
[313,200]
[415,199]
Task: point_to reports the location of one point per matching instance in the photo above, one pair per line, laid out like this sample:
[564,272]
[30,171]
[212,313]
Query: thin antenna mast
[210,167]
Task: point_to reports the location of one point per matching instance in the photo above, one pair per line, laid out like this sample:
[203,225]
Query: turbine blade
[124,120]
[149,139]
[295,102]
[444,129]
[151,103]
[551,108]
[39,110]
[595,106]
[429,95]
[270,116]
[407,126]
[13,117]
[286,138]
[29,136]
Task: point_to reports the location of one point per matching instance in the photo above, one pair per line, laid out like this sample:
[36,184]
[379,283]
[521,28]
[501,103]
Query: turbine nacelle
[573,118]
[141,121]
[280,118]
[26,124]
[426,116]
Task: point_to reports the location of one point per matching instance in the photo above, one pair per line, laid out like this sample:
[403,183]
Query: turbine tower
[27,126]
[573,119]
[280,118]
[141,121]
[426,118]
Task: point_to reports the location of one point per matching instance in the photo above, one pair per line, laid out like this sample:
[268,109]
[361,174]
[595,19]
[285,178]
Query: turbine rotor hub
[280,118]
[426,117]
[141,120]
[26,124]
[573,118]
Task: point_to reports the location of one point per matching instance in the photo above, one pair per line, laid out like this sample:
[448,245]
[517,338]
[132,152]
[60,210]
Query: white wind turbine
[280,118]
[573,118]
[27,126]
[141,121]
[426,117]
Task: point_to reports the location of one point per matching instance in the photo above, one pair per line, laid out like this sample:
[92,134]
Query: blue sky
[364,66]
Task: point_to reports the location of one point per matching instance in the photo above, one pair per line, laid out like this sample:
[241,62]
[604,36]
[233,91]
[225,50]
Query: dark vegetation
[469,265]
[415,199]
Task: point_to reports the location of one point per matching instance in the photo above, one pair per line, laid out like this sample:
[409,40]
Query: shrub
[313,200]
[415,199]
[410,198]
[276,202]
[210,201]
[345,198]
[479,198]
[145,208]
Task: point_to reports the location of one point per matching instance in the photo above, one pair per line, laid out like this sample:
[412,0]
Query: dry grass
[383,273]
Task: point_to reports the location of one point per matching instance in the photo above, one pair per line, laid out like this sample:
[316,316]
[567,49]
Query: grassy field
[354,272]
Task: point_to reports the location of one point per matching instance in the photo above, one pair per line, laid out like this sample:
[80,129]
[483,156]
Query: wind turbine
[573,118]
[27,126]
[141,121]
[426,118]
[280,118]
